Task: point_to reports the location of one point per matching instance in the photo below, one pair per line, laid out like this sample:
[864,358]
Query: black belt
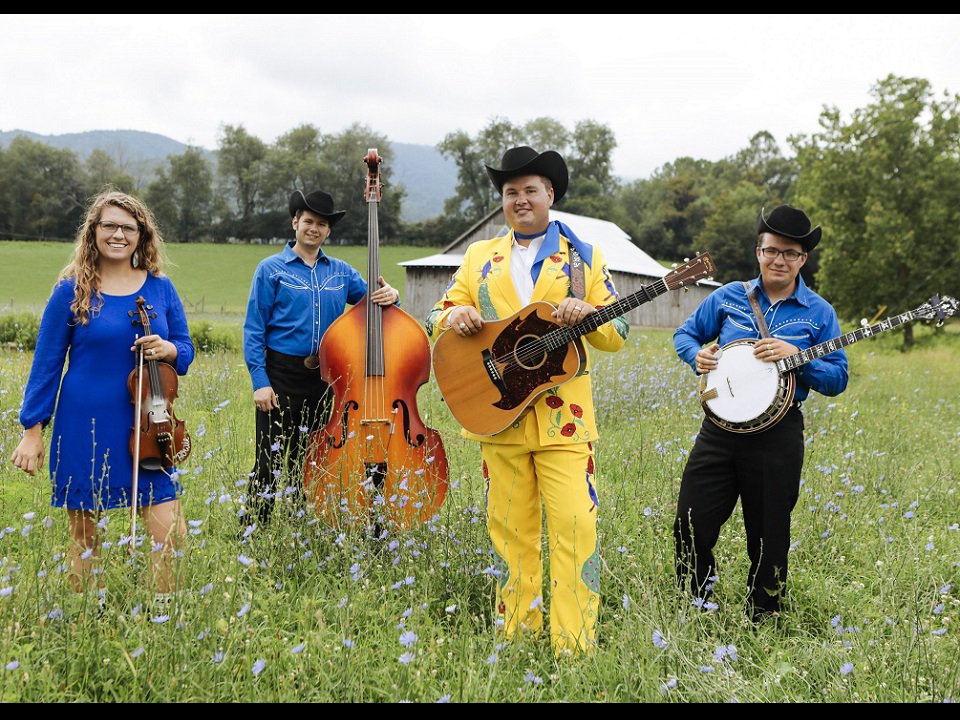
[310,362]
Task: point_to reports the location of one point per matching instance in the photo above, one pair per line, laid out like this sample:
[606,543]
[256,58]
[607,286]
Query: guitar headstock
[937,308]
[692,270]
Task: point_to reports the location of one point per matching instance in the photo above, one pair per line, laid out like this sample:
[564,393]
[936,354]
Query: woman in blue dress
[117,257]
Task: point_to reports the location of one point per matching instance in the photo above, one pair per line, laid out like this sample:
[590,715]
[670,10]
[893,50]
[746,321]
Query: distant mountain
[428,176]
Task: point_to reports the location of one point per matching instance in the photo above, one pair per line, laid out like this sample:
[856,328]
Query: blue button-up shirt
[291,306]
[804,319]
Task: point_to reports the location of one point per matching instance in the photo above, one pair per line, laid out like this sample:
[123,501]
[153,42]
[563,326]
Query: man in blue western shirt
[762,469]
[294,297]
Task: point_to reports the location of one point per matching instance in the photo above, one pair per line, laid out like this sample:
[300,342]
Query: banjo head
[742,388]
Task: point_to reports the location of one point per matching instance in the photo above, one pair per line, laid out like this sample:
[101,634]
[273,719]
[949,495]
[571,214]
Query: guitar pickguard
[523,366]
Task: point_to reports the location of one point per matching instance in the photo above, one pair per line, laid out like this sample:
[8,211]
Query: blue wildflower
[408,638]
[13,665]
[137,653]
[406,658]
[846,668]
[658,640]
[531,678]
[258,666]
[668,685]
[298,649]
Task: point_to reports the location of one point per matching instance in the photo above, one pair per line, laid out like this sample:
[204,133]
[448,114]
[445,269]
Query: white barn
[631,267]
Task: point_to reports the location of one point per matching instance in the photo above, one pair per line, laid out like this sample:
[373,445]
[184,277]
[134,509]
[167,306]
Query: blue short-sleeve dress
[88,456]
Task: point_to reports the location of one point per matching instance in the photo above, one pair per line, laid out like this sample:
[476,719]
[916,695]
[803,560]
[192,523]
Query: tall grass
[302,611]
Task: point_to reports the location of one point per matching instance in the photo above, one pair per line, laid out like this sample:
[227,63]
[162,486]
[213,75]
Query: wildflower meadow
[301,610]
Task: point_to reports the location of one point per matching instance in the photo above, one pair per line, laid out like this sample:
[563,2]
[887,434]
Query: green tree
[884,184]
[667,211]
[730,230]
[587,151]
[474,195]
[181,198]
[42,193]
[240,168]
[102,172]
[345,178]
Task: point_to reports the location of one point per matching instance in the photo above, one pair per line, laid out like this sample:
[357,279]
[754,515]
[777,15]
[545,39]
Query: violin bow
[136,452]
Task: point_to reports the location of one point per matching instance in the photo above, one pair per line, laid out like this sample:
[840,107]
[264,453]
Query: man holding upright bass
[761,467]
[295,296]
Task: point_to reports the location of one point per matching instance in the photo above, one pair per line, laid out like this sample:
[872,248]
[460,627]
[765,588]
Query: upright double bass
[375,462]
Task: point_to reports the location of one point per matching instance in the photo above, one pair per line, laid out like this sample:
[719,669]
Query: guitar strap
[757,313]
[578,284]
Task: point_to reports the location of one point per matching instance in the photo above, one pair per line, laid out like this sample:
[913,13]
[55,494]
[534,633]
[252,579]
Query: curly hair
[84,266]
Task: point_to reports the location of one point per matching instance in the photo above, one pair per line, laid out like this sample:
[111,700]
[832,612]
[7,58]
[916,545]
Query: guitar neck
[562,336]
[825,348]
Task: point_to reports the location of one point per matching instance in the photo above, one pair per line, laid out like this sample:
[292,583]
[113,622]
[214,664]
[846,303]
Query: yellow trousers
[517,478]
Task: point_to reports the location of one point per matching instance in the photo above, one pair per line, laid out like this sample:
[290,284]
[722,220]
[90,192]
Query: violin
[375,456]
[159,439]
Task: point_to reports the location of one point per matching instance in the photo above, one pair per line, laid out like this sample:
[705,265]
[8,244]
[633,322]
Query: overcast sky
[668,86]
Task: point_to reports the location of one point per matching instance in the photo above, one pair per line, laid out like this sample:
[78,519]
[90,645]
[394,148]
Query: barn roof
[621,254]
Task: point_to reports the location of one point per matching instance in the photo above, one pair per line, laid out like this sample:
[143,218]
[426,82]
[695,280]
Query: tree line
[884,185]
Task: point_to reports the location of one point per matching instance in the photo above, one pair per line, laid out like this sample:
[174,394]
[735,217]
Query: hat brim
[549,164]
[298,202]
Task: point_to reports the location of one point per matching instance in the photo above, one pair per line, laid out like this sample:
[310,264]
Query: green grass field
[213,280]
[307,612]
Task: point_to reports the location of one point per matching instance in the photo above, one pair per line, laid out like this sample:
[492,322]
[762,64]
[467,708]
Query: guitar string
[539,347]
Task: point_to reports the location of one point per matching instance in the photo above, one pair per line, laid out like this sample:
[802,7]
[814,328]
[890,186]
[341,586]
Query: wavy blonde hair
[85,263]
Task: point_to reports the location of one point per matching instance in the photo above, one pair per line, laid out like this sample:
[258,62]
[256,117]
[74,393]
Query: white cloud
[667,86]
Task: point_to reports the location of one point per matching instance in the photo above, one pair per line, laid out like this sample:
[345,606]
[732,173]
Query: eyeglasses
[111,228]
[771,253]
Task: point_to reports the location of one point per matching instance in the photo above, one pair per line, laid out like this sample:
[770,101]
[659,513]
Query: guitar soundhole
[527,356]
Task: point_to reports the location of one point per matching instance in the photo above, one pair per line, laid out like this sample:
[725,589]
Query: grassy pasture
[213,280]
[302,611]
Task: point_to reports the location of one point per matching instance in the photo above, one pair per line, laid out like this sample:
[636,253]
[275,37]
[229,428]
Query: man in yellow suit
[547,454]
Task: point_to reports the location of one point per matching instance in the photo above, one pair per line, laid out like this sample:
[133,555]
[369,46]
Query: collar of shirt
[801,293]
[521,266]
[288,255]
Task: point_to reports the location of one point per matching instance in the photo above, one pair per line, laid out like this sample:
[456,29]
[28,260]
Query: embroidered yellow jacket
[565,413]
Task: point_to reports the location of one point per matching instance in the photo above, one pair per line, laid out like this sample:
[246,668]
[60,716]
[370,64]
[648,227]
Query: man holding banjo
[759,463]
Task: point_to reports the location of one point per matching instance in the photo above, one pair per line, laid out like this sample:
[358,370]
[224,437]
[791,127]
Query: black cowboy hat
[318,202]
[791,223]
[526,161]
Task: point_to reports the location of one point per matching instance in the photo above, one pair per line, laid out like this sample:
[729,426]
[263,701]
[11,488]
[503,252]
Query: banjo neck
[792,362]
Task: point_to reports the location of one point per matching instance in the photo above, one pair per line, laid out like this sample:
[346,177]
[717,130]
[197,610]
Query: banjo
[747,395]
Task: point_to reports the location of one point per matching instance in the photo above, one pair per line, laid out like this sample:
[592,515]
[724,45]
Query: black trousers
[283,433]
[761,469]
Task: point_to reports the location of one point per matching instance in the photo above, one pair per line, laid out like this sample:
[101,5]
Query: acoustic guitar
[490,378]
